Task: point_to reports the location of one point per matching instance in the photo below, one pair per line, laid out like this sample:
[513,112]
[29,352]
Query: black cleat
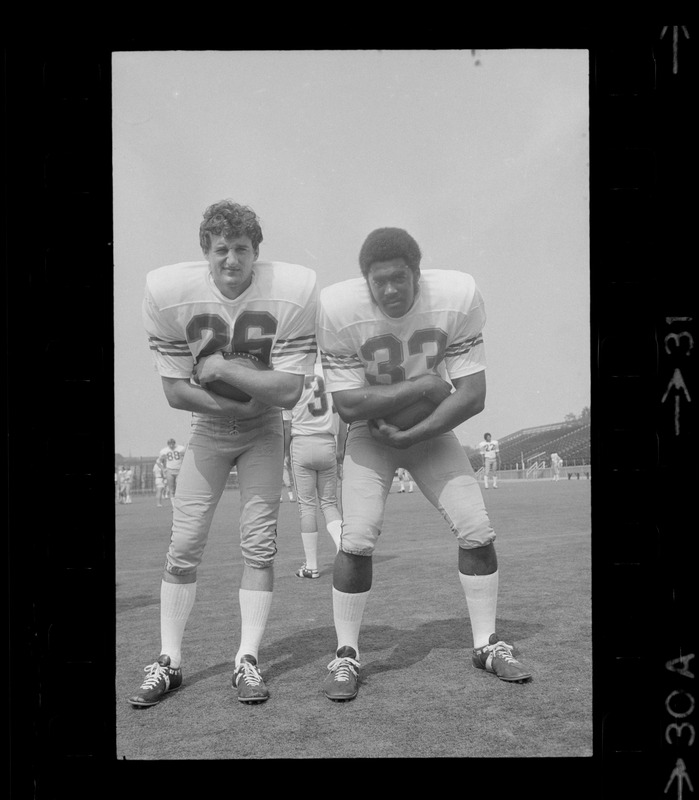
[343,681]
[162,678]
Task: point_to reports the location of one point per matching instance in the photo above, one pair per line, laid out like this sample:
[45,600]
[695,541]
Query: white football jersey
[186,317]
[489,449]
[173,457]
[314,413]
[442,332]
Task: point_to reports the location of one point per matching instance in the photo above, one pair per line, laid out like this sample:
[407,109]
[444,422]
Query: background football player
[404,477]
[311,431]
[159,483]
[387,340]
[192,312]
[170,458]
[489,449]
[556,464]
[287,479]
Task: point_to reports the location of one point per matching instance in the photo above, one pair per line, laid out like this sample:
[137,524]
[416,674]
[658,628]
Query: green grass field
[419,696]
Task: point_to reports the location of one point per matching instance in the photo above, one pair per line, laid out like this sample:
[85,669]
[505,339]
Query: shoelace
[250,674]
[500,649]
[155,673]
[342,667]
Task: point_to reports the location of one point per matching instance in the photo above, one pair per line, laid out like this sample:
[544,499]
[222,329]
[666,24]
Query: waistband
[225,425]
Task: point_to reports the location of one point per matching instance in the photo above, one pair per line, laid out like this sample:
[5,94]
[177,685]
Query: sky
[483,156]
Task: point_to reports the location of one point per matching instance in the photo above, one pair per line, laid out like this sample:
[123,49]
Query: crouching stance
[389,340]
[195,313]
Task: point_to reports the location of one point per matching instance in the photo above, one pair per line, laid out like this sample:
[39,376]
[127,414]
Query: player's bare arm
[379,400]
[467,400]
[272,387]
[185,396]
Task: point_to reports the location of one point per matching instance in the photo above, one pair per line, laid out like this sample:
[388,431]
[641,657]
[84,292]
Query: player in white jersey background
[170,459]
[404,477]
[159,482]
[287,479]
[125,479]
[387,340]
[311,432]
[193,312]
[556,464]
[489,449]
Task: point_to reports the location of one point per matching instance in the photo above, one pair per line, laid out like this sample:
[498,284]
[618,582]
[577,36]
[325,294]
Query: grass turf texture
[419,695]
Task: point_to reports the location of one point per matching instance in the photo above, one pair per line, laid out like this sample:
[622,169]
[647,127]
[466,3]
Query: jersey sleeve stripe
[330,361]
[459,348]
[171,353]
[168,346]
[165,348]
[291,348]
[310,339]
[172,342]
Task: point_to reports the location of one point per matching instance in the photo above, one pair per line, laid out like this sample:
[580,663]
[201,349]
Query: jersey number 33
[394,351]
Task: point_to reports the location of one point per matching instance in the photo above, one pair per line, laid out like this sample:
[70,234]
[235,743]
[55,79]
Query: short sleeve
[296,348]
[342,367]
[171,354]
[465,354]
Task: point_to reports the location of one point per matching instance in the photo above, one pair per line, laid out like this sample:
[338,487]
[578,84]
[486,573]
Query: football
[411,415]
[227,389]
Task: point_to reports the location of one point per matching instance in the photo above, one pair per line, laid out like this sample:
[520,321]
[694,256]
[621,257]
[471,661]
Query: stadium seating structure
[570,440]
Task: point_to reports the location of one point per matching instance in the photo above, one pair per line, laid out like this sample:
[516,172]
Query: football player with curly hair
[195,313]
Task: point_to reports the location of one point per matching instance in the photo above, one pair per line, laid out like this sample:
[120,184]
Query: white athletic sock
[310,548]
[254,611]
[348,610]
[495,482]
[485,481]
[176,602]
[335,529]
[481,593]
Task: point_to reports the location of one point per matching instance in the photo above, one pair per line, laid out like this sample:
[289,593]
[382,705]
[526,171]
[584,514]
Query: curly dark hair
[385,244]
[231,220]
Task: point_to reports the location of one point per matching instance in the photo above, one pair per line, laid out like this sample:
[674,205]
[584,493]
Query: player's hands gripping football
[389,434]
[206,369]
[207,372]
[433,387]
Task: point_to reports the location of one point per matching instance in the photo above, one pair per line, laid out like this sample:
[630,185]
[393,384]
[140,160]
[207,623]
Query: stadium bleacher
[571,440]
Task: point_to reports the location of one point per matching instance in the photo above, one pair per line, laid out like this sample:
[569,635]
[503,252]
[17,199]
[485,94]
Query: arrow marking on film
[677,383]
[675,43]
[679,773]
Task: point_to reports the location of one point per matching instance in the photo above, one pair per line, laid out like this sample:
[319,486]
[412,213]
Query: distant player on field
[159,482]
[490,452]
[404,477]
[386,340]
[556,464]
[287,480]
[311,432]
[170,458]
[121,483]
[193,312]
[126,482]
